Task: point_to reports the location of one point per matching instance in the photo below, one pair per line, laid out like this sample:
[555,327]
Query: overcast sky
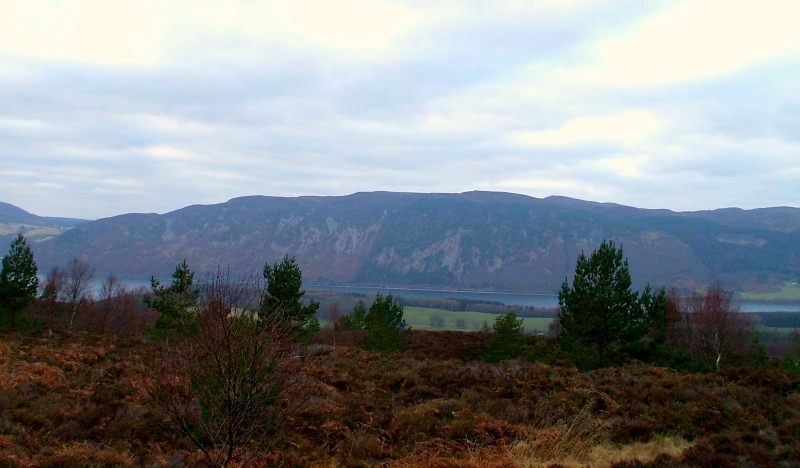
[108,107]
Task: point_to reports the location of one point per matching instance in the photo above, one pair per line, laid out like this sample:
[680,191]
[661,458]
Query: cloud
[93,31]
[703,39]
[683,105]
[624,128]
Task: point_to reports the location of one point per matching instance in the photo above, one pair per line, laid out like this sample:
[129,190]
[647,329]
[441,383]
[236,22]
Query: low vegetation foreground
[236,371]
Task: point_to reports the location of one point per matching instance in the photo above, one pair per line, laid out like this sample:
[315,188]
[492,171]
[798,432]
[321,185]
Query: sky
[110,107]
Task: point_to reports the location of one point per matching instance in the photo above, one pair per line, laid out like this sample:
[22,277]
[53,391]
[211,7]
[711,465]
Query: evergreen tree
[759,358]
[284,299]
[600,314]
[358,319]
[656,307]
[18,281]
[175,303]
[508,339]
[384,323]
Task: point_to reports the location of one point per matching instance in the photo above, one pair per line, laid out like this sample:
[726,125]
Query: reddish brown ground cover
[80,402]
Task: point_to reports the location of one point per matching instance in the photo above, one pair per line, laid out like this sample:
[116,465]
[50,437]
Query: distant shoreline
[317,287]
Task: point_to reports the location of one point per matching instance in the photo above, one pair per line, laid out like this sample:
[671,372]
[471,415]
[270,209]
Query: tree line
[66,299]
[476,305]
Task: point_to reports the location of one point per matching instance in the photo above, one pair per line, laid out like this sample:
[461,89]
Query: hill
[473,240]
[15,220]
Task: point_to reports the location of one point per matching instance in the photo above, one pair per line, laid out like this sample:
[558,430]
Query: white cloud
[171,153]
[91,31]
[661,104]
[634,167]
[625,128]
[22,125]
[702,39]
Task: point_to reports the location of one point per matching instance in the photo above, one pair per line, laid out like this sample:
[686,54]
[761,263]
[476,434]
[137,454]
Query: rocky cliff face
[475,240]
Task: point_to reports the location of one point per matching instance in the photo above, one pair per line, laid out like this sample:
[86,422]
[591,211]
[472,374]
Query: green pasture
[781,330]
[789,292]
[424,318]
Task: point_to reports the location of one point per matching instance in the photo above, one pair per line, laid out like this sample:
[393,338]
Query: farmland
[424,318]
[788,292]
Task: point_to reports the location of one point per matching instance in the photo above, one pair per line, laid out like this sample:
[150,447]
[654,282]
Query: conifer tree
[508,339]
[18,281]
[174,303]
[358,319]
[600,314]
[384,323]
[284,299]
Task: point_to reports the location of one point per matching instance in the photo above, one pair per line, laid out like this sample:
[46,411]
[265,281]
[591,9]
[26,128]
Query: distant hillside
[14,220]
[474,240]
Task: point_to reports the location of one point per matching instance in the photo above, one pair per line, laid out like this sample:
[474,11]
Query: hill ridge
[474,240]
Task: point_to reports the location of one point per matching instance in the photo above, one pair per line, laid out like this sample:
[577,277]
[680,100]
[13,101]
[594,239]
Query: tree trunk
[72,315]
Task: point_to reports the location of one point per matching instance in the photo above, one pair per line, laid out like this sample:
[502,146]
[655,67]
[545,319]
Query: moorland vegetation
[236,370]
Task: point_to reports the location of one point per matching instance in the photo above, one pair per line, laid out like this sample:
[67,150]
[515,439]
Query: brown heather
[80,401]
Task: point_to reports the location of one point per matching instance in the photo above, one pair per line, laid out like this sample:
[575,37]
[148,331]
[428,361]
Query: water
[535,300]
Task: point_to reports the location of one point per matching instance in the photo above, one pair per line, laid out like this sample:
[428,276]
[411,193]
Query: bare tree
[52,295]
[107,307]
[678,326]
[227,385]
[334,316]
[713,327]
[78,288]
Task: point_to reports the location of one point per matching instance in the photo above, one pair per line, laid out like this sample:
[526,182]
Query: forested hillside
[474,240]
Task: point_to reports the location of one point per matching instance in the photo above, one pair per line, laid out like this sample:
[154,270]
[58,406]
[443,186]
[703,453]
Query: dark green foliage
[175,303]
[600,314]
[384,324]
[508,339]
[358,319]
[759,358]
[284,299]
[18,281]
[656,309]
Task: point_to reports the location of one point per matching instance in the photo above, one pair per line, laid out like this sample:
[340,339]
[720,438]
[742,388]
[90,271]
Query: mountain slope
[15,220]
[475,240]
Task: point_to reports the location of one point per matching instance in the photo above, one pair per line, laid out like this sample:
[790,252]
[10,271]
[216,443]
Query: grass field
[784,330]
[423,318]
[790,292]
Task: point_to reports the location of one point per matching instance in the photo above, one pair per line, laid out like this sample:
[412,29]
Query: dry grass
[79,401]
[16,371]
[582,454]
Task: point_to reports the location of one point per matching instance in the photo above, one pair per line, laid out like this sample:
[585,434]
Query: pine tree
[508,339]
[358,319]
[18,281]
[384,323]
[284,299]
[174,303]
[600,314]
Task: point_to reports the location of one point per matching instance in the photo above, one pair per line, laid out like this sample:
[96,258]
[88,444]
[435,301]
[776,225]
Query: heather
[80,401]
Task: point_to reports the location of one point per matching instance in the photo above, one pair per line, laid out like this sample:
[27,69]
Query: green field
[789,292]
[782,330]
[423,318]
